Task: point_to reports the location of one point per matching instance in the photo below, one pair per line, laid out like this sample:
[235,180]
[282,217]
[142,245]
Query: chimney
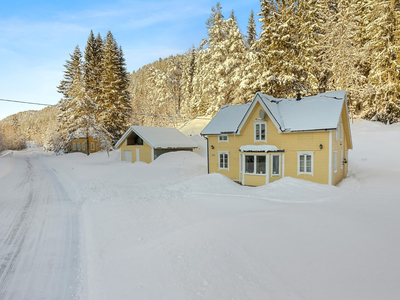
[298,97]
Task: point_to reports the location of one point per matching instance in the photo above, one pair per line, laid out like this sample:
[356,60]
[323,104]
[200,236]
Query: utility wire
[34,103]
[135,114]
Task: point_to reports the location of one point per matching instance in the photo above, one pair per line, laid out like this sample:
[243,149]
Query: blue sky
[36,37]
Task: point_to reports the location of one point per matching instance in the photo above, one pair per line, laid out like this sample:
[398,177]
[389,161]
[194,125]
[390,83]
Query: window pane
[257,132]
[308,163]
[302,163]
[249,165]
[262,132]
[221,161]
[226,161]
[275,165]
[260,164]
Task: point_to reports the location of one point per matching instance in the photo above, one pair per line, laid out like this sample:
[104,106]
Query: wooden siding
[291,143]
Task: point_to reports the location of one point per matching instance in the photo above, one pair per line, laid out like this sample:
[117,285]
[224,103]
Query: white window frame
[255,131]
[92,145]
[279,165]
[255,165]
[334,161]
[341,131]
[83,146]
[220,140]
[341,159]
[74,146]
[79,146]
[300,153]
[219,160]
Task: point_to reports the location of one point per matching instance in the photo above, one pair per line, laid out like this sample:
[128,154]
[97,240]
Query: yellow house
[142,143]
[79,144]
[263,141]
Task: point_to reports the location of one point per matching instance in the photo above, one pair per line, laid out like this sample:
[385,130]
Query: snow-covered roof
[260,148]
[227,120]
[319,112]
[160,137]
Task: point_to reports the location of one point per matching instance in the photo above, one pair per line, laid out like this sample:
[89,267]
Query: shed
[143,143]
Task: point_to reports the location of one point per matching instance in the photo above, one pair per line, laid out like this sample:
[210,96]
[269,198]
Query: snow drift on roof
[259,148]
[160,137]
[227,120]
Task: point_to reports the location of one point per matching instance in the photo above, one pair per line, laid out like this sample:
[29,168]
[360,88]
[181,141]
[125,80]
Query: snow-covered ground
[168,230]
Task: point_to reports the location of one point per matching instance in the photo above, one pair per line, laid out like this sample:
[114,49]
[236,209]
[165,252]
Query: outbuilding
[143,143]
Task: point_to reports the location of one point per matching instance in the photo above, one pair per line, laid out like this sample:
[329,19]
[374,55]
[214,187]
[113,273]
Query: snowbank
[168,230]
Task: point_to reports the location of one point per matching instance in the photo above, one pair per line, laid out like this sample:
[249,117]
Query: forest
[306,47]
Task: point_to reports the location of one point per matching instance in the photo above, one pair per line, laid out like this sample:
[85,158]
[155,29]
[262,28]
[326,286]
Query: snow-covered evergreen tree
[219,66]
[188,71]
[92,66]
[67,106]
[251,31]
[114,104]
[383,47]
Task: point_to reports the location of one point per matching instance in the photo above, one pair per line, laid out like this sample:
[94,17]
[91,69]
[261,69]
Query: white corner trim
[330,159]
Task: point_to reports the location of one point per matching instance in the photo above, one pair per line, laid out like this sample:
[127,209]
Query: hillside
[28,125]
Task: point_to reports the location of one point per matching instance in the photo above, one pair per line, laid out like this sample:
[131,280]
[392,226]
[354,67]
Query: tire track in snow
[15,237]
[39,255]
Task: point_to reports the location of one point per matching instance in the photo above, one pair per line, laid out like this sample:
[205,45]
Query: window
[341,159]
[133,139]
[341,131]
[92,145]
[223,160]
[275,165]
[223,138]
[79,146]
[255,164]
[305,163]
[83,146]
[260,166]
[74,146]
[249,164]
[260,133]
[335,162]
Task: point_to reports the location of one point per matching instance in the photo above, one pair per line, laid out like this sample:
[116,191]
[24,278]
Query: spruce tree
[251,31]
[188,72]
[114,103]
[92,66]
[66,106]
[383,48]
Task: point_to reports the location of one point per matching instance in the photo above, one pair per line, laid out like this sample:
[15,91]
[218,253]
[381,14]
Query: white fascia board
[126,135]
[123,137]
[258,99]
